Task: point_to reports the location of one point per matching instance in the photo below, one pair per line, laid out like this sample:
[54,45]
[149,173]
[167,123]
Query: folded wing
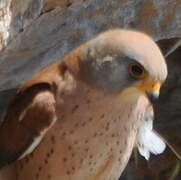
[28,117]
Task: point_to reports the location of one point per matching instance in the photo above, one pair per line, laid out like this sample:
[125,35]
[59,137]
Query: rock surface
[5,19]
[42,31]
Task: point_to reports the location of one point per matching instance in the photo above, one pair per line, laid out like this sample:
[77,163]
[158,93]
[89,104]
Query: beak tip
[156,94]
[153,95]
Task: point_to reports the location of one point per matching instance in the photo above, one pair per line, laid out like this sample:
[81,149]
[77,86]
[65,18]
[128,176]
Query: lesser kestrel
[89,108]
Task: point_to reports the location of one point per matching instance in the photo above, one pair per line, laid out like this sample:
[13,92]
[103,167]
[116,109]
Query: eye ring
[137,71]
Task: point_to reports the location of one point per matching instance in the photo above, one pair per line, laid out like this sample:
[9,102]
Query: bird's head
[121,59]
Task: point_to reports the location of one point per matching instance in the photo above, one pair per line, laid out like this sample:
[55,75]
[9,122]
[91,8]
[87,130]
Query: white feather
[148,141]
[37,140]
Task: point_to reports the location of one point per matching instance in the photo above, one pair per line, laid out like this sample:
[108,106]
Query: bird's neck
[75,61]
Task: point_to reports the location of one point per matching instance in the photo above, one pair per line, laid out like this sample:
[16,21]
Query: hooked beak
[151,88]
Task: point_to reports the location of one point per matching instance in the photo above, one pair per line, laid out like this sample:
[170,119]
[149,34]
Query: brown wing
[30,113]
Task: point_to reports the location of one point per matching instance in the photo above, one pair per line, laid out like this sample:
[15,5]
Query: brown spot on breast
[75,108]
[52,139]
[17,175]
[49,176]
[76,125]
[31,155]
[64,134]
[91,169]
[107,124]
[46,161]
[129,114]
[101,155]
[51,150]
[48,154]
[88,101]
[95,134]
[69,148]
[73,154]
[125,128]
[39,168]
[68,172]
[64,159]
[102,116]
[27,159]
[37,176]
[62,117]
[83,124]
[107,143]
[86,141]
[101,133]
[71,132]
[21,165]
[125,142]
[76,142]
[81,161]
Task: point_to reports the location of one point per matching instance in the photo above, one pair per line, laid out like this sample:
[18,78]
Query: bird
[80,117]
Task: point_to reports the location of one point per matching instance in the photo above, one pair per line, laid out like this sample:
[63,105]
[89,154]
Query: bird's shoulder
[32,112]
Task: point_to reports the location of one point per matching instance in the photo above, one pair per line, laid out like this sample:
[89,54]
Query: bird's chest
[97,133]
[92,138]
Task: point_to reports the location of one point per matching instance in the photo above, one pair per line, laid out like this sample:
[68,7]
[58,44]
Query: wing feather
[30,113]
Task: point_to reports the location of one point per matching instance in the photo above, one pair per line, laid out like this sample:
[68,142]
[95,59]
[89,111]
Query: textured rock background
[42,31]
[5,20]
[33,34]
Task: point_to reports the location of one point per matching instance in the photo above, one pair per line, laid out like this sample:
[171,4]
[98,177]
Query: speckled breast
[91,140]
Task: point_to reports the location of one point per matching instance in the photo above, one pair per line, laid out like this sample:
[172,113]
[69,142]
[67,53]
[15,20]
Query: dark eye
[137,71]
